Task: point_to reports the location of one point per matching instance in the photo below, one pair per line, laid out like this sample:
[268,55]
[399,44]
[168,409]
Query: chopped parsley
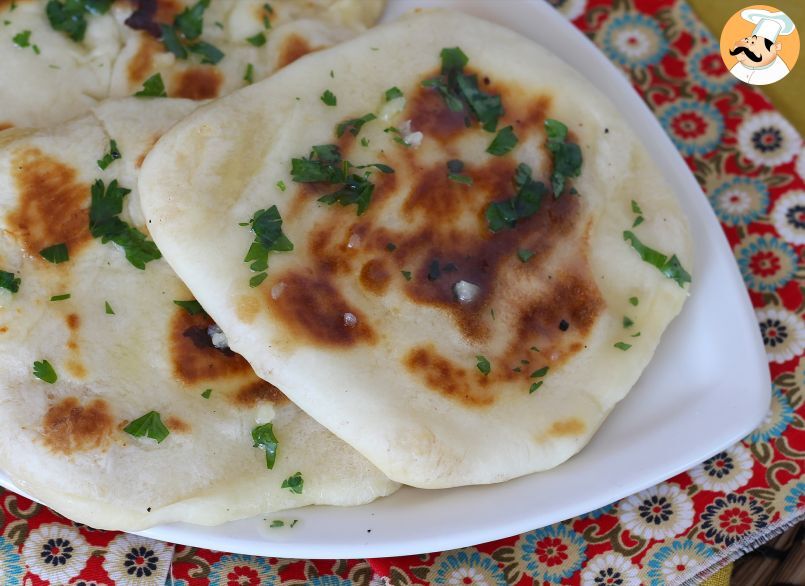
[637,335]
[295,483]
[108,308]
[324,165]
[43,370]
[153,87]
[22,40]
[111,156]
[627,322]
[192,306]
[622,346]
[364,141]
[353,125]
[62,297]
[458,178]
[248,77]
[634,301]
[566,155]
[149,425]
[206,393]
[535,386]
[638,220]
[540,372]
[257,40]
[56,254]
[181,38]
[407,275]
[670,267]
[69,16]
[503,143]
[281,185]
[268,237]
[105,206]
[329,98]
[525,255]
[636,208]
[276,523]
[393,93]
[461,92]
[483,365]
[527,201]
[264,438]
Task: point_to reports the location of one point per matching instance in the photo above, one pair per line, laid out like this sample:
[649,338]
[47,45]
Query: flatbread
[445,352]
[47,78]
[121,348]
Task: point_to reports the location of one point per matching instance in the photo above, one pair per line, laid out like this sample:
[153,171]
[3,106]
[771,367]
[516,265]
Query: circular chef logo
[760,44]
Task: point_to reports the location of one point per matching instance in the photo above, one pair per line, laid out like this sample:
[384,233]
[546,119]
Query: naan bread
[362,324]
[47,78]
[64,443]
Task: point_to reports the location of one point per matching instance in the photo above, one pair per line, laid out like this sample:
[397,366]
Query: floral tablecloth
[751,163]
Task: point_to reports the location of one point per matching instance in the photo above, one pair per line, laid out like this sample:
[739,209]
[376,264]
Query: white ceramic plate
[706,388]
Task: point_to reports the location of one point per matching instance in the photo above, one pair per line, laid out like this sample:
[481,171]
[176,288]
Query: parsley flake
[525,255]
[281,185]
[264,438]
[248,77]
[503,143]
[393,93]
[407,275]
[670,267]
[276,523]
[566,155]
[636,208]
[539,373]
[111,156]
[638,220]
[69,16]
[43,370]
[527,201]
[535,386]
[353,125]
[329,98]
[105,206]
[461,92]
[295,483]
[268,237]
[192,306]
[623,346]
[56,254]
[464,179]
[206,393]
[483,365]
[22,40]
[257,40]
[62,297]
[634,301]
[149,425]
[153,87]
[108,307]
[627,322]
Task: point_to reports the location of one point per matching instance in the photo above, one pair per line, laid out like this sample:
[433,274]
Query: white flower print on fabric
[610,569]
[55,552]
[788,216]
[726,471]
[783,333]
[659,512]
[766,138]
[132,560]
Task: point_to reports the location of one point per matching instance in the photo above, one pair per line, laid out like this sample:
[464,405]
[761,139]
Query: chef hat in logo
[768,24]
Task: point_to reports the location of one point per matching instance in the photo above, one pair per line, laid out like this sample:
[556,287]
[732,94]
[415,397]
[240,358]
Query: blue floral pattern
[634,40]
[696,128]
[11,569]
[707,70]
[766,263]
[552,554]
[234,566]
[740,200]
[777,420]
[672,563]
[466,567]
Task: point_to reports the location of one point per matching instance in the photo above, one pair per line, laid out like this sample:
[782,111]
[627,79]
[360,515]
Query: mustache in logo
[749,54]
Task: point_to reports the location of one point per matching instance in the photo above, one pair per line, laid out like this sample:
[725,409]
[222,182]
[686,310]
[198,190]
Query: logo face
[760,44]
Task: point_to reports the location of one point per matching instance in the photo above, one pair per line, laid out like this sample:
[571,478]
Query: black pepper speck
[563,325]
